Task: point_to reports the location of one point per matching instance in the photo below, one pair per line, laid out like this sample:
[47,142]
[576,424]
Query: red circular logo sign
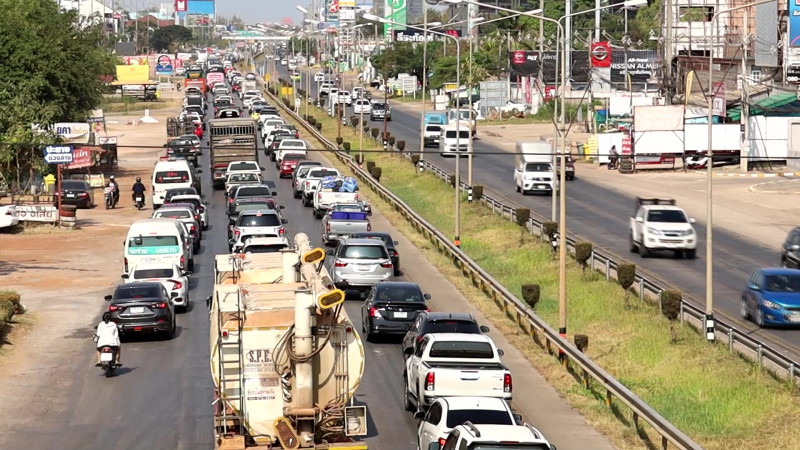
[518,57]
[600,52]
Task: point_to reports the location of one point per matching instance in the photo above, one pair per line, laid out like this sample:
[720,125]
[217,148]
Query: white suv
[496,437]
[446,413]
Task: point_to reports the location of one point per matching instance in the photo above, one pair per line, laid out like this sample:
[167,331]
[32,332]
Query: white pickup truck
[660,225]
[325,198]
[312,180]
[454,365]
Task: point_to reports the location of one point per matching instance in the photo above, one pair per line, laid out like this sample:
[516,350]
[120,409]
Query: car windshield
[136,290]
[398,294]
[478,416]
[537,167]
[782,283]
[172,176]
[293,144]
[69,184]
[153,241]
[667,216]
[259,220]
[451,134]
[363,252]
[253,191]
[142,274]
[173,214]
[264,248]
[452,326]
[243,166]
[461,349]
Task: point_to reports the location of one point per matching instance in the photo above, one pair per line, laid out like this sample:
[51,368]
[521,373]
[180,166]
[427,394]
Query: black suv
[790,252]
[143,307]
[184,148]
[439,322]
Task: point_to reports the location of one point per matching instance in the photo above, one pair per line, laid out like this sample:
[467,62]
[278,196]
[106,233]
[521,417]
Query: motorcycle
[613,163]
[108,358]
[138,201]
[109,197]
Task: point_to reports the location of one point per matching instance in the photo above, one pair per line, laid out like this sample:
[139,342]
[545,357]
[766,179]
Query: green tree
[53,70]
[168,38]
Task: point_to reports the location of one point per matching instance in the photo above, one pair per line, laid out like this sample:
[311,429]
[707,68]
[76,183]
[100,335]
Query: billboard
[419,36]
[164,65]
[134,74]
[200,13]
[794,23]
[642,65]
[396,11]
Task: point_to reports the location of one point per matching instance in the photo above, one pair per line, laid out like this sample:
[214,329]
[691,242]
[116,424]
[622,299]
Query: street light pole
[709,318]
[424,79]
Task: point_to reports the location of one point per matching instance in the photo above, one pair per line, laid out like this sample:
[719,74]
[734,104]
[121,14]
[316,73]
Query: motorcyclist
[112,183]
[613,158]
[138,189]
[107,334]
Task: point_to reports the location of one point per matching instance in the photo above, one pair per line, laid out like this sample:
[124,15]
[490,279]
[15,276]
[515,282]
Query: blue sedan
[772,297]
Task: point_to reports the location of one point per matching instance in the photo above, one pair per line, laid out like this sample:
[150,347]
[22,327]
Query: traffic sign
[58,154]
[267,77]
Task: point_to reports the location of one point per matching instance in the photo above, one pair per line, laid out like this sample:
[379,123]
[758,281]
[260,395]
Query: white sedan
[9,216]
[362,106]
[174,280]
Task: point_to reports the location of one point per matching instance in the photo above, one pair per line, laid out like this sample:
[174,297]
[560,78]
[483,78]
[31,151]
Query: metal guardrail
[514,309]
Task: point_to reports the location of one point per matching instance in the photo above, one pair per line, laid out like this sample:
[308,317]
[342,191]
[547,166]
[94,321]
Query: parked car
[183,212]
[439,322]
[772,297]
[169,275]
[447,413]
[358,264]
[9,216]
[144,307]
[390,307]
[75,192]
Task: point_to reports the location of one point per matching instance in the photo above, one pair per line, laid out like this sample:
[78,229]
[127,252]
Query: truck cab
[659,224]
[533,168]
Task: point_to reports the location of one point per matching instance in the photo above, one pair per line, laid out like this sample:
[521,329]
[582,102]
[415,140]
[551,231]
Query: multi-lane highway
[602,216]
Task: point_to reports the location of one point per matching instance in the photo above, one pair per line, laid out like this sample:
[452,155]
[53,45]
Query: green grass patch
[720,399]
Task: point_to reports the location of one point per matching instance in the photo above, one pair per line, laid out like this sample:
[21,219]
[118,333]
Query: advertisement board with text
[200,13]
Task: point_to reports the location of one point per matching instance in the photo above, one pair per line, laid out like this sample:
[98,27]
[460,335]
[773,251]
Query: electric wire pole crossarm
[709,319]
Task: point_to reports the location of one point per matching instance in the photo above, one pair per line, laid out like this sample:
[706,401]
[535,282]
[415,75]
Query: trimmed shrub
[626,274]
[671,308]
[477,192]
[346,147]
[401,145]
[581,342]
[523,214]
[370,165]
[318,126]
[583,251]
[386,135]
[550,229]
[376,173]
[375,132]
[354,121]
[391,140]
[415,160]
[339,140]
[312,120]
[451,180]
[322,102]
[531,293]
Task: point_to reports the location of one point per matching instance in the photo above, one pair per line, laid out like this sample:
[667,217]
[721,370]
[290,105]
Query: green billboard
[394,10]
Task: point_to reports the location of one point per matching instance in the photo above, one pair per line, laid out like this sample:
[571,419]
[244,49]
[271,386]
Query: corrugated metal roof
[758,108]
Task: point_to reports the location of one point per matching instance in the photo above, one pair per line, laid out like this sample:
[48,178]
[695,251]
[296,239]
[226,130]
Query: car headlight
[652,230]
[527,178]
[688,232]
[770,305]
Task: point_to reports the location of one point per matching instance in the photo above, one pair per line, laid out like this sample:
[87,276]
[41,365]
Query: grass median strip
[720,400]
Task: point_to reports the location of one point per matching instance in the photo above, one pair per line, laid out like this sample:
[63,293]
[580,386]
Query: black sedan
[143,307]
[183,148]
[391,307]
[75,192]
[391,246]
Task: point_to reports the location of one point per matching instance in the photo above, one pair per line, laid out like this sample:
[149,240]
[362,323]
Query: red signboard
[601,54]
[81,157]
[181,5]
[626,145]
[549,92]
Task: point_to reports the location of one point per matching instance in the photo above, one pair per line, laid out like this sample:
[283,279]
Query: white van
[449,140]
[157,241]
[533,168]
[173,173]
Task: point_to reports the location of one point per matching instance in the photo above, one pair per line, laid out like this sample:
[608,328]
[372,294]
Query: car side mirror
[692,220]
[553,447]
[753,287]
[274,193]
[419,415]
[434,446]
[262,169]
[640,219]
[395,243]
[186,273]
[108,298]
[199,170]
[500,352]
[427,296]
[795,247]
[517,418]
[284,221]
[484,329]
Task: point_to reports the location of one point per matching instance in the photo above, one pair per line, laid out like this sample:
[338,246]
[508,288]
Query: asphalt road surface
[601,216]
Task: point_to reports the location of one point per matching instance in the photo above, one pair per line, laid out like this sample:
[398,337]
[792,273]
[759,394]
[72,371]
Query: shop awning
[765,104]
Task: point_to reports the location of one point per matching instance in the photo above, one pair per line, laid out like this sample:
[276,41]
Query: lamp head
[373,18]
[302,10]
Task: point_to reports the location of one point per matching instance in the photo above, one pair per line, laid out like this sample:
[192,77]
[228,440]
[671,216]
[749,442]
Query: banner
[200,13]
[140,60]
[581,66]
[794,23]
[37,213]
[73,132]
[81,158]
[642,65]
[396,11]
[601,54]
[133,74]
[524,63]
[419,36]
[164,65]
[180,6]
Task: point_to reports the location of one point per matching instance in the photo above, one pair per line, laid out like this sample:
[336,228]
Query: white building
[100,10]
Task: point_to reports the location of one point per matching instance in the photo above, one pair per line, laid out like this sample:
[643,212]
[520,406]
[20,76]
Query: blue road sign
[58,154]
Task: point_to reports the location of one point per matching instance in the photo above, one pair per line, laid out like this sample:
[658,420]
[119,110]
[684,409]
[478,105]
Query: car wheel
[759,317]
[691,254]
[743,310]
[632,246]
[191,265]
[407,396]
[516,187]
[296,194]
[643,251]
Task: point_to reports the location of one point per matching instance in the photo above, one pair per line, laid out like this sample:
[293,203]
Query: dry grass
[720,400]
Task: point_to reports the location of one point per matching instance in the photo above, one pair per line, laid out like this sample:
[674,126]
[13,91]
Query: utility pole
[424,79]
[745,115]
[338,104]
[668,79]
[567,40]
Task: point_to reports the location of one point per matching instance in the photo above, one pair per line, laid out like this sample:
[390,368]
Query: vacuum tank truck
[285,358]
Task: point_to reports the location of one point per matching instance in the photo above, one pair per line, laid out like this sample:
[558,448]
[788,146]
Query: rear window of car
[181,191]
[461,349]
[253,191]
[243,177]
[264,248]
[323,173]
[251,207]
[243,166]
[452,326]
[71,184]
[153,241]
[387,241]
[398,294]
[456,417]
[173,214]
[152,273]
[363,252]
[259,220]
[294,157]
[288,143]
[172,176]
[131,291]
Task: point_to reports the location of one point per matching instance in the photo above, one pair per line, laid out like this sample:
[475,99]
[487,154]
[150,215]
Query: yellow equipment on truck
[285,358]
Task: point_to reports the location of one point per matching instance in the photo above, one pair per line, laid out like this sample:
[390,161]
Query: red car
[289,163]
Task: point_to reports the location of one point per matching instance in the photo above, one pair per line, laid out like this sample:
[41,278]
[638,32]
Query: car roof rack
[654,201]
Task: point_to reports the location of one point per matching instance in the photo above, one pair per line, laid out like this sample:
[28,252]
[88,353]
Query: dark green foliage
[346,147]
[671,308]
[354,121]
[531,293]
[318,126]
[391,140]
[375,132]
[522,216]
[626,275]
[583,251]
[170,37]
[376,173]
[339,140]
[550,228]
[401,145]
[370,165]
[477,191]
[581,342]
[414,159]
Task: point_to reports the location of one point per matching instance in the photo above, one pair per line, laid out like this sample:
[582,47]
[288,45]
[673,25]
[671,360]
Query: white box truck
[533,168]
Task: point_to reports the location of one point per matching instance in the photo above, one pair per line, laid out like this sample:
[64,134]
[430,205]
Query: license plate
[401,315]
[139,199]
[137,310]
[541,186]
[70,195]
[362,268]
[106,356]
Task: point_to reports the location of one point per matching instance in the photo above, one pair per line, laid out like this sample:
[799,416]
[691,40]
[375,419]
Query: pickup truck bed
[341,224]
[325,198]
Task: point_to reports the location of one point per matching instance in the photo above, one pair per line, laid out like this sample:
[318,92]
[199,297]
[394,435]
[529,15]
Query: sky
[253,11]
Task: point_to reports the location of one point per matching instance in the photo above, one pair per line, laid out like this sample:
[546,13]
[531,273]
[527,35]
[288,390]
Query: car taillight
[159,305]
[356,196]
[394,254]
[237,232]
[339,264]
[507,385]
[374,313]
[319,196]
[369,227]
[126,265]
[115,308]
[8,212]
[197,218]
[84,194]
[230,200]
[281,232]
[183,262]
[176,284]
[386,265]
[442,441]
[430,381]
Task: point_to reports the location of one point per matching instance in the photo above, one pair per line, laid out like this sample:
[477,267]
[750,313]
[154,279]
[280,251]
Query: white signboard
[408,84]
[37,213]
[73,132]
[111,140]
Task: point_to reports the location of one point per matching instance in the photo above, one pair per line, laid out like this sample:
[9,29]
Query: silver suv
[359,264]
